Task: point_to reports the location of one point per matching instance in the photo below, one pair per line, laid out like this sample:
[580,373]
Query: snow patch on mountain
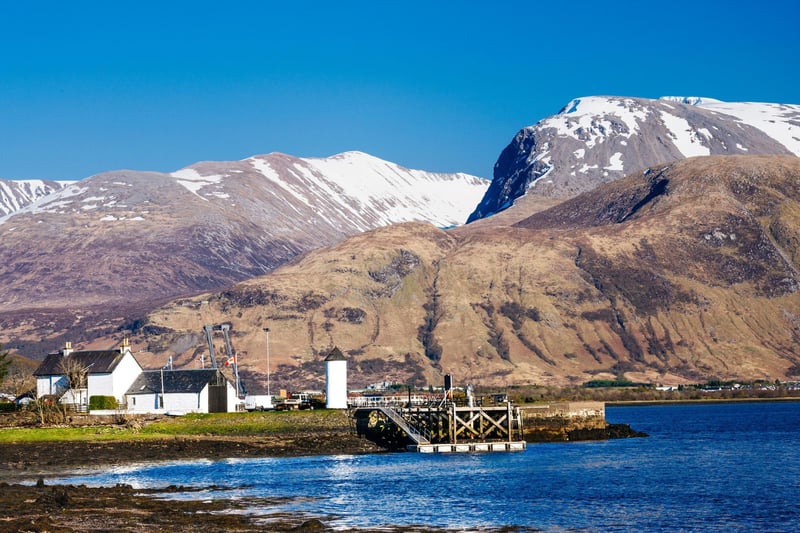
[685,138]
[194,181]
[615,163]
[779,121]
[592,118]
[16,194]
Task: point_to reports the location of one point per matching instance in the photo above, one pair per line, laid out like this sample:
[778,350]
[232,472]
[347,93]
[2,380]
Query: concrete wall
[564,415]
[567,409]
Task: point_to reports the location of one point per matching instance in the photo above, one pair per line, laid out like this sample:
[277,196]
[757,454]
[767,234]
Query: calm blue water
[724,467]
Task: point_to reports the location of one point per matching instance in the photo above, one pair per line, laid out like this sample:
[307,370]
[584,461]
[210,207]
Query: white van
[258,402]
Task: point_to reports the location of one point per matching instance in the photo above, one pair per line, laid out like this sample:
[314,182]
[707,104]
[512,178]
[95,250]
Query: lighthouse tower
[336,380]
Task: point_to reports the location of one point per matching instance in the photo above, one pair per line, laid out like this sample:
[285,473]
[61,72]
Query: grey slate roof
[175,381]
[97,361]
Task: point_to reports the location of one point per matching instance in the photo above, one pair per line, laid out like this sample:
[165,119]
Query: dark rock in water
[55,498]
[312,525]
[612,431]
[555,434]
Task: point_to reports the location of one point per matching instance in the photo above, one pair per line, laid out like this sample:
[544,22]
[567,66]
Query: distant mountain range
[598,139]
[127,236]
[609,244]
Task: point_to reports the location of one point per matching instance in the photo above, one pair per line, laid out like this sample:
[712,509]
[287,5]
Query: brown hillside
[681,273]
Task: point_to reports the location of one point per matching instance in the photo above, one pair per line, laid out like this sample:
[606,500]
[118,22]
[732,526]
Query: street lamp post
[266,330]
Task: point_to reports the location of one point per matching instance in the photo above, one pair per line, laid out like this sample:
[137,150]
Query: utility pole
[266,330]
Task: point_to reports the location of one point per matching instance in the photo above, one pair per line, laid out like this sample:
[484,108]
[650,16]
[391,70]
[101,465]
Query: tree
[19,381]
[75,373]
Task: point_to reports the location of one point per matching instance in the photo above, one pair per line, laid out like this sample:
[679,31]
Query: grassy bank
[191,425]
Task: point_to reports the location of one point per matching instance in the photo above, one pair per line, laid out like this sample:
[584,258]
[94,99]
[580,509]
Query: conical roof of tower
[336,355]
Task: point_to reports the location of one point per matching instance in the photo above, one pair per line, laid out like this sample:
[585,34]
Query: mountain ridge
[597,139]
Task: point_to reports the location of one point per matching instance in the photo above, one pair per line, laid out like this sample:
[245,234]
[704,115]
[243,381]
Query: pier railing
[412,432]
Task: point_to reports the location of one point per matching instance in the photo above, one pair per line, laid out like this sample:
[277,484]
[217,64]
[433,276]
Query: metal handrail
[410,430]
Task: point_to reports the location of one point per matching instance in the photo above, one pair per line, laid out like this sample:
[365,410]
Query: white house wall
[233,399]
[124,375]
[183,402]
[101,385]
[143,403]
[50,385]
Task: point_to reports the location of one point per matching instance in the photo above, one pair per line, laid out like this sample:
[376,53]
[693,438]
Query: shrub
[102,402]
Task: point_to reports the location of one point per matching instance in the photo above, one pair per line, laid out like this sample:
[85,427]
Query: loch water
[710,467]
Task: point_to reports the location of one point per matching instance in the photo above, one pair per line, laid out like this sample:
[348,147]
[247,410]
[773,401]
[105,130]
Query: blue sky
[87,87]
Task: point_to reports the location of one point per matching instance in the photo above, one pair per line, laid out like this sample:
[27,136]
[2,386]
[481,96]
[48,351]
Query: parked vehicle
[258,402]
[298,400]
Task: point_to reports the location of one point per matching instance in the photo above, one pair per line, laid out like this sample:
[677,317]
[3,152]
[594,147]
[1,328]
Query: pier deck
[449,428]
[467,447]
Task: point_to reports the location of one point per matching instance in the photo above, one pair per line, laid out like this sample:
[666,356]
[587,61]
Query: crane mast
[231,358]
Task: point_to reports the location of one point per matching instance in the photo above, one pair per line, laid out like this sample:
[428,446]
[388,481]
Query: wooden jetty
[449,428]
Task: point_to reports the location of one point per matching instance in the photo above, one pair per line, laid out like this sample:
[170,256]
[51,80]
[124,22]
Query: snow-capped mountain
[681,274]
[132,236]
[16,194]
[598,139]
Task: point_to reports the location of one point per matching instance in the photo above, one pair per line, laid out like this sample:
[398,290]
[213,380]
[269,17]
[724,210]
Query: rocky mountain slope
[680,273]
[126,239]
[595,140]
[16,194]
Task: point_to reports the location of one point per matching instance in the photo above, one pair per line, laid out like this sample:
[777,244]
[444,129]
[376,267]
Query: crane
[208,330]
[231,360]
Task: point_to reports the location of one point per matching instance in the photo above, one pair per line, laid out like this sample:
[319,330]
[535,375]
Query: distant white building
[336,380]
[117,373]
[108,373]
[182,391]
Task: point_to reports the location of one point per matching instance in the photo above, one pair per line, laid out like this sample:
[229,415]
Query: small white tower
[336,380]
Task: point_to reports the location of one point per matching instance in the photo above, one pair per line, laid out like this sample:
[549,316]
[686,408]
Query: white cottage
[182,391]
[108,373]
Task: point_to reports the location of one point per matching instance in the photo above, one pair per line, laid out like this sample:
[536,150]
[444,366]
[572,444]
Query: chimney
[126,345]
[67,349]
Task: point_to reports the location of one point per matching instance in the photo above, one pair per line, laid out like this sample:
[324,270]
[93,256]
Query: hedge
[102,402]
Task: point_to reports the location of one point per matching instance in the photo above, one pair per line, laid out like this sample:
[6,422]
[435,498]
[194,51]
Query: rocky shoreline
[29,503]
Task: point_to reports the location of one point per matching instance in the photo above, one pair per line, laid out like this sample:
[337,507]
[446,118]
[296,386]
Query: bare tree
[49,410]
[19,381]
[76,374]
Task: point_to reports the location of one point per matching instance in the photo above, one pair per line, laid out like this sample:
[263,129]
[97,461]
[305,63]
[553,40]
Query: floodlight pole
[266,330]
